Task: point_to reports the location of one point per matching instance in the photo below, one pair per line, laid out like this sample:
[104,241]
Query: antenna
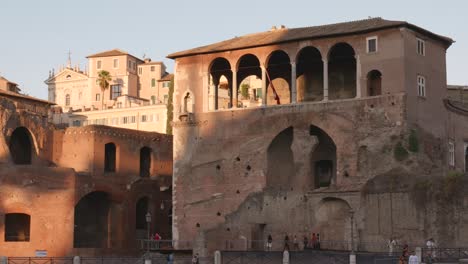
[69,59]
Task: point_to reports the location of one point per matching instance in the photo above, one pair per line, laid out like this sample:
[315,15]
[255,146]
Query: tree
[170,107]
[245,91]
[103,80]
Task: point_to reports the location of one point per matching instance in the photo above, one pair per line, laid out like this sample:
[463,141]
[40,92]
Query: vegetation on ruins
[245,91]
[413,143]
[399,152]
[103,81]
[170,107]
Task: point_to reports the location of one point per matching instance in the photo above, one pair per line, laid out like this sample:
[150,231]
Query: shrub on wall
[413,143]
[399,152]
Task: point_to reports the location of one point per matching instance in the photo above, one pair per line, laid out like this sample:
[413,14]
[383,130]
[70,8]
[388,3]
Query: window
[421,47]
[421,86]
[451,153]
[166,98]
[132,119]
[76,123]
[259,93]
[140,70]
[165,84]
[371,44]
[116,91]
[116,63]
[17,227]
[152,68]
[153,99]
[98,66]
[144,118]
[129,64]
[109,157]
[125,120]
[119,105]
[153,82]
[114,121]
[67,100]
[98,97]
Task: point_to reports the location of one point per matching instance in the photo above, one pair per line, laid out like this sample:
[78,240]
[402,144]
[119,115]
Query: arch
[280,159]
[322,158]
[145,162]
[221,92]
[309,74]
[341,71]
[374,83]
[334,223]
[278,66]
[141,209]
[110,157]
[92,221]
[21,146]
[249,75]
[17,227]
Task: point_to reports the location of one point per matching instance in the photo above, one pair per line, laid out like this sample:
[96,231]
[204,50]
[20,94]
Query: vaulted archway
[278,81]
[249,74]
[220,94]
[309,75]
[341,72]
[21,146]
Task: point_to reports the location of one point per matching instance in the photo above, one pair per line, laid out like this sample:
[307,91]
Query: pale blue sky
[36,35]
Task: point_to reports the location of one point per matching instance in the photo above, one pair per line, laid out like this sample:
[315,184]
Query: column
[358,76]
[234,94]
[206,91]
[264,86]
[325,80]
[293,83]
[216,85]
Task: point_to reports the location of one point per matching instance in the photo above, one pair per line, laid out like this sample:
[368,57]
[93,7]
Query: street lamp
[352,256]
[148,222]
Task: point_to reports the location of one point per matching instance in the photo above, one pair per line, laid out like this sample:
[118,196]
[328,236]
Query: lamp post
[352,256]
[148,222]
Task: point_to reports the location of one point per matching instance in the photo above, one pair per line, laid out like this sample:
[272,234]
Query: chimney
[283,27]
[273,28]
[147,60]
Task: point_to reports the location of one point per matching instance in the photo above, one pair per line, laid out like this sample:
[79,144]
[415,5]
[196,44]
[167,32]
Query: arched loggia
[309,75]
[278,78]
[220,94]
[341,72]
[249,73]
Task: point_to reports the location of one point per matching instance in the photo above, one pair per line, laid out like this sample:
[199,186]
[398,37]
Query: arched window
[21,146]
[374,83]
[17,227]
[188,103]
[145,162]
[249,76]
[309,73]
[141,210]
[67,100]
[109,157]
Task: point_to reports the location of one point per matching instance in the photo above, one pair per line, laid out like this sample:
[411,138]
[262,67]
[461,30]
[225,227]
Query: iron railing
[430,255]
[158,245]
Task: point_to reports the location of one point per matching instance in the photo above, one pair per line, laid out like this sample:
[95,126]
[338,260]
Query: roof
[152,63]
[110,53]
[457,87]
[22,96]
[296,34]
[167,77]
[3,78]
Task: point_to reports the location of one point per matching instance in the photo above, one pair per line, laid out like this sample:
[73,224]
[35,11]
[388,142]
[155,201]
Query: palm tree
[103,80]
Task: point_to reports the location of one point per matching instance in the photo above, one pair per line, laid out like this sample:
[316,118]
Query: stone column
[293,83]
[234,94]
[216,86]
[264,88]
[206,91]
[358,76]
[325,80]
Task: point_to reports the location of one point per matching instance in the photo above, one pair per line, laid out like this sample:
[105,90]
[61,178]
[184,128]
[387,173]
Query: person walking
[306,241]
[269,244]
[295,243]
[286,242]
[318,241]
[314,241]
[391,246]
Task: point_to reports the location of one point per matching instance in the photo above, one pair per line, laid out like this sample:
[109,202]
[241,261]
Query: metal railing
[40,260]
[430,255]
[158,245]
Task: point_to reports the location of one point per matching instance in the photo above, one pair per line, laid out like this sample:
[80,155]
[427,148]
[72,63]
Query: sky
[36,36]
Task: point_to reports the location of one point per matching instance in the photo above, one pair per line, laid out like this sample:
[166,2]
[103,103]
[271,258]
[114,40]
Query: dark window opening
[92,221]
[140,215]
[374,83]
[110,157]
[17,227]
[322,158]
[309,75]
[280,159]
[21,146]
[145,162]
[116,91]
[342,72]
[324,172]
